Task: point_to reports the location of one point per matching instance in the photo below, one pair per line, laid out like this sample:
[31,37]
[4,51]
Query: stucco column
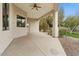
[55,25]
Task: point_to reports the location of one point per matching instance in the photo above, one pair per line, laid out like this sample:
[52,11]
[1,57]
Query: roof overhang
[33,13]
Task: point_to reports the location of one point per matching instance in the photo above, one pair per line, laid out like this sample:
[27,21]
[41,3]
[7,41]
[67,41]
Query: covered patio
[29,41]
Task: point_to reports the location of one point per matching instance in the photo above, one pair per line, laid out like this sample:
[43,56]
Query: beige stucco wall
[18,31]
[7,36]
[33,25]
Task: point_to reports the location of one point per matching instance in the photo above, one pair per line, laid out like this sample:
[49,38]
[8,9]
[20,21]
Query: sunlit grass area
[73,34]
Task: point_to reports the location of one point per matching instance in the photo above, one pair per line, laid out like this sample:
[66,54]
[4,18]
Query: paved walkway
[70,45]
[35,44]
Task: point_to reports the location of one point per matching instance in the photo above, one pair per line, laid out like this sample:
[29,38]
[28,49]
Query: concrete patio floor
[35,44]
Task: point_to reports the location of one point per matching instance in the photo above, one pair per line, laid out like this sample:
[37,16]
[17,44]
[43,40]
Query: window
[5,16]
[20,21]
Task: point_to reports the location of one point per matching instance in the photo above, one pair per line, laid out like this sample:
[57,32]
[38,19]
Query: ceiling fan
[35,6]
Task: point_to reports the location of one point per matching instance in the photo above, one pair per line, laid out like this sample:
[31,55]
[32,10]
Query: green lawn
[73,34]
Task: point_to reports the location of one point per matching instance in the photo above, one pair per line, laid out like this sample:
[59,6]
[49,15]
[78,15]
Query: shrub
[50,31]
[63,31]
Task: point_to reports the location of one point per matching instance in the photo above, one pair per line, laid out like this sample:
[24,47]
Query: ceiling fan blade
[32,7]
[39,7]
[36,8]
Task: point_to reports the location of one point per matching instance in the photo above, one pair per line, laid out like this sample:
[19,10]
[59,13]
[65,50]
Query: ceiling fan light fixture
[35,6]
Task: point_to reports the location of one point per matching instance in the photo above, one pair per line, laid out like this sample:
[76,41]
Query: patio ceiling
[33,13]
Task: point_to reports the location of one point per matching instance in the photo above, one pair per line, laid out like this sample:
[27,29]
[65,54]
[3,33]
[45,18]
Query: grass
[73,34]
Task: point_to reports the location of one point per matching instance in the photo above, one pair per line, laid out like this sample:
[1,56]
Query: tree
[49,20]
[71,22]
[60,16]
[43,25]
